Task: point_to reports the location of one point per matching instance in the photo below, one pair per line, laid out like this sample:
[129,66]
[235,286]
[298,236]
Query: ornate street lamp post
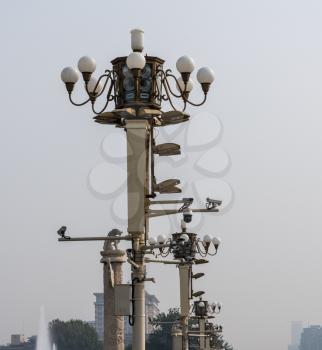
[187,250]
[206,332]
[137,85]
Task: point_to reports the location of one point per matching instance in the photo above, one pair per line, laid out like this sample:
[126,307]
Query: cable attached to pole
[131,317]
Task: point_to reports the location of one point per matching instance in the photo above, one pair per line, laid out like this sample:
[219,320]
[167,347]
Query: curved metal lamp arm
[164,253]
[109,97]
[197,104]
[168,74]
[183,93]
[77,104]
[202,253]
[168,96]
[213,254]
[108,77]
[167,87]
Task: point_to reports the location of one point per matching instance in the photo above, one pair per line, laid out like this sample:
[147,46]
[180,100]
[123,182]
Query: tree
[74,335]
[219,343]
[160,339]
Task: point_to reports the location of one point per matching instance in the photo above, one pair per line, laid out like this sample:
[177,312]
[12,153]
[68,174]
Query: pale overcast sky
[267,56]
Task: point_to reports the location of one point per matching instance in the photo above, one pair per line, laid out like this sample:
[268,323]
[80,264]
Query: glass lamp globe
[69,75]
[92,84]
[137,40]
[153,241]
[201,304]
[205,75]
[181,85]
[185,64]
[214,306]
[207,238]
[86,64]
[162,239]
[135,60]
[184,238]
[216,241]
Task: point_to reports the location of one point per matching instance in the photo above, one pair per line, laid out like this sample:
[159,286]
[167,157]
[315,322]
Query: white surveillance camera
[187,215]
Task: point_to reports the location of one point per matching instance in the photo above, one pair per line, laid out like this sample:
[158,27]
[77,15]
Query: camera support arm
[162,212]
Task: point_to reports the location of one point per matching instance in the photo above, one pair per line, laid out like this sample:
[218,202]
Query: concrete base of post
[112,258]
[176,335]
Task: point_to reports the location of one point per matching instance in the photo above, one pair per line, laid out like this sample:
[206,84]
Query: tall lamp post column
[113,259]
[138,85]
[184,275]
[137,141]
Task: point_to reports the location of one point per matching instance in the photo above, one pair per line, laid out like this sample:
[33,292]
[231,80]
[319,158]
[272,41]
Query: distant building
[151,311]
[293,347]
[17,339]
[99,315]
[296,331]
[311,338]
[19,342]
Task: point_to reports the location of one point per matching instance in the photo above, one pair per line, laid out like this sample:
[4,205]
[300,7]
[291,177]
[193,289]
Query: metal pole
[185,275]
[208,342]
[137,135]
[202,329]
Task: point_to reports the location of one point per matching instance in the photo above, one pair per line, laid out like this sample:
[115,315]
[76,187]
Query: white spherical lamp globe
[185,64]
[181,85]
[162,239]
[184,238]
[153,241]
[201,304]
[69,75]
[92,88]
[86,64]
[214,305]
[216,241]
[135,60]
[207,238]
[205,75]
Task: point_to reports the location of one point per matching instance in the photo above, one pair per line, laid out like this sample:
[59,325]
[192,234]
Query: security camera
[212,203]
[187,201]
[187,215]
[61,232]
[115,232]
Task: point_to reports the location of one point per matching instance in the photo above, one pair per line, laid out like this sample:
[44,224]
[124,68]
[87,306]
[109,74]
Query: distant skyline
[267,58]
[296,331]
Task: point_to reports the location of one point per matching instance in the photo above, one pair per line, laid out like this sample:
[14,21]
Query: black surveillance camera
[61,232]
[187,215]
[187,201]
[212,203]
[115,232]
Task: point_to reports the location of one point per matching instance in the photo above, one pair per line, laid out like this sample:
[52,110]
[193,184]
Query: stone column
[112,258]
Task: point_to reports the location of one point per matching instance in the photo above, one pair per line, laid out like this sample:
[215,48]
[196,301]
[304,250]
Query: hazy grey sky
[267,56]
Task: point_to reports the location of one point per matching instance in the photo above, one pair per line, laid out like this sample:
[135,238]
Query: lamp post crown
[138,80]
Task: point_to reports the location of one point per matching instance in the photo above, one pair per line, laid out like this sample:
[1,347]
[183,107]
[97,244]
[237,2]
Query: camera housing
[212,203]
[187,215]
[61,232]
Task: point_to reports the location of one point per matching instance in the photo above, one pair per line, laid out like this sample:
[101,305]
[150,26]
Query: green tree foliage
[220,343]
[160,339]
[74,335]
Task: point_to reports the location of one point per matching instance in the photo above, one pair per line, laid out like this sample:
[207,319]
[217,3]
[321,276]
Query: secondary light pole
[137,85]
[206,331]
